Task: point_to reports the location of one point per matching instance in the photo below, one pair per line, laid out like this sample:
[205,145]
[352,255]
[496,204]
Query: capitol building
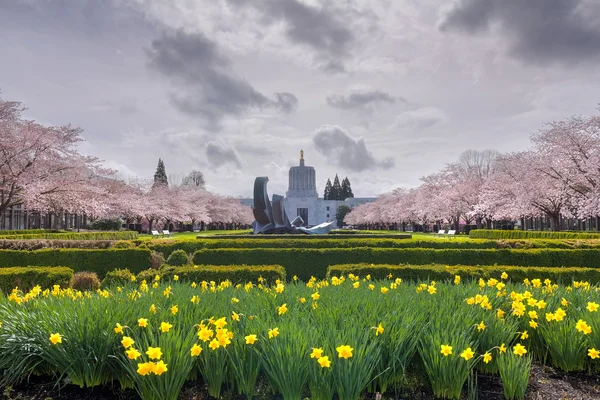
[302,198]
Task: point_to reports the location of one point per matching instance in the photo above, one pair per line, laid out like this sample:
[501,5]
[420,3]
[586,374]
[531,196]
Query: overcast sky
[381,91]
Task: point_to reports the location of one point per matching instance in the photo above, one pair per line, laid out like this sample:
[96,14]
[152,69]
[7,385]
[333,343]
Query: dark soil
[544,384]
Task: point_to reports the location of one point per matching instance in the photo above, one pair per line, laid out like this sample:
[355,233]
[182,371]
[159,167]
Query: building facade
[302,198]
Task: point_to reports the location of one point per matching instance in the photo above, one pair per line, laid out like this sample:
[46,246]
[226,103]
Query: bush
[36,244]
[156,260]
[125,235]
[440,272]
[178,258]
[98,261]
[25,278]
[85,281]
[24,231]
[314,262]
[234,273]
[107,224]
[118,277]
[517,234]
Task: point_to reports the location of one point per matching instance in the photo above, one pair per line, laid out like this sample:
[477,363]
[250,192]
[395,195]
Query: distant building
[302,198]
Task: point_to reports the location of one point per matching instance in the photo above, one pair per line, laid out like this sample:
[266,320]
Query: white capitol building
[302,198]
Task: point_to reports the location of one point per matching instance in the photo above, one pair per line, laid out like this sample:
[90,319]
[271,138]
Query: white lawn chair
[451,233]
[440,233]
[167,233]
[155,234]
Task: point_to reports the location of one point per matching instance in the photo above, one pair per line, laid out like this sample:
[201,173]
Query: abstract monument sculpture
[270,216]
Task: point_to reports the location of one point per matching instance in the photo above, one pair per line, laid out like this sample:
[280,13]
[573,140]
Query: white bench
[440,233]
[155,234]
[166,233]
[451,233]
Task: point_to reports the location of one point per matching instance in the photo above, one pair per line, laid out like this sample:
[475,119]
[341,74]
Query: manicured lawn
[192,235]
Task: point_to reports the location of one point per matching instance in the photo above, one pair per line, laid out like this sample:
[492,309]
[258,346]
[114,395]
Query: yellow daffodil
[344,351]
[251,339]
[154,353]
[315,296]
[160,368]
[195,350]
[456,279]
[592,307]
[524,335]
[119,329]
[214,344]
[174,310]
[593,353]
[145,368]
[282,309]
[467,354]
[519,349]
[316,352]
[504,275]
[487,357]
[481,327]
[165,327]
[273,333]
[446,350]
[55,338]
[502,348]
[142,322]
[324,362]
[533,324]
[133,354]
[127,342]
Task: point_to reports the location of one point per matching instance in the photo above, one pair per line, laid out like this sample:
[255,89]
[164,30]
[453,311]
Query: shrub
[234,273]
[107,224]
[36,244]
[118,277]
[178,258]
[24,231]
[517,234]
[85,281]
[125,235]
[98,261]
[440,272]
[156,260]
[305,263]
[25,278]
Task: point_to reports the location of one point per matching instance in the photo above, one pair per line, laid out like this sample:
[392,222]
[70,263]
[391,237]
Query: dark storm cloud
[286,102]
[539,31]
[364,99]
[344,151]
[208,86]
[220,154]
[319,28]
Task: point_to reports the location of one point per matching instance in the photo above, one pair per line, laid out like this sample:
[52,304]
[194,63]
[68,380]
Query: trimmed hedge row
[234,273]
[36,244]
[98,261]
[305,263]
[440,272]
[25,278]
[125,235]
[168,246]
[517,234]
[311,237]
[24,231]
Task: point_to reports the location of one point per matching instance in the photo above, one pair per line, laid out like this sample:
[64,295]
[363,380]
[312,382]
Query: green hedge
[308,262]
[234,273]
[310,237]
[118,277]
[98,261]
[168,246]
[25,278]
[517,234]
[125,235]
[24,231]
[440,272]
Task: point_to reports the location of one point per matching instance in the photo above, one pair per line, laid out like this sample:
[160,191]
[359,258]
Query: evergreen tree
[160,176]
[327,191]
[341,213]
[346,189]
[336,189]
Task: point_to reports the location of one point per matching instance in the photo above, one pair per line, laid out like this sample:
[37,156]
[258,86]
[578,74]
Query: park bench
[440,233]
[167,233]
[451,233]
[155,234]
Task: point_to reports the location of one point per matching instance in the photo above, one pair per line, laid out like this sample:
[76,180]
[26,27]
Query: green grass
[192,235]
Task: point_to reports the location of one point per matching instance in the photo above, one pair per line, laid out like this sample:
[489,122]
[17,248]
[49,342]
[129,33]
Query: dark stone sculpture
[270,216]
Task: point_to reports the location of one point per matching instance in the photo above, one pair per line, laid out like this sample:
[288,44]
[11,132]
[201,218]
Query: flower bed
[346,336]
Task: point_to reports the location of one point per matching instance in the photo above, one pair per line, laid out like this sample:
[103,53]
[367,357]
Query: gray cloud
[220,154]
[364,99]
[286,102]
[420,119]
[208,86]
[319,28]
[539,31]
[344,151]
